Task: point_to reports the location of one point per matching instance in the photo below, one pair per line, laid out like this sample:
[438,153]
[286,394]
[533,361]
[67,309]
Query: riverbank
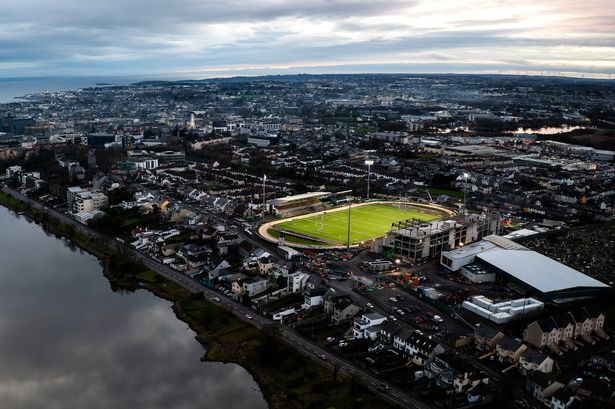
[287,379]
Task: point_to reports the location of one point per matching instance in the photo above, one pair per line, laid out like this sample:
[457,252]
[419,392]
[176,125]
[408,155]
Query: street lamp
[465,191]
[369,164]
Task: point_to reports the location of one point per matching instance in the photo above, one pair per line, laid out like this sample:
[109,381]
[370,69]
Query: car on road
[216,299]
[437,318]
[392,318]
[393,299]
[323,357]
[383,387]
[248,316]
[369,305]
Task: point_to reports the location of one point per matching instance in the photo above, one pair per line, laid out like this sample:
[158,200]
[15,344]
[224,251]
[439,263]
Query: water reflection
[67,341]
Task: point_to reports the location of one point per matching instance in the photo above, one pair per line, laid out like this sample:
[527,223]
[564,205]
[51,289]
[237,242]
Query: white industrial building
[504,311]
[534,273]
[527,271]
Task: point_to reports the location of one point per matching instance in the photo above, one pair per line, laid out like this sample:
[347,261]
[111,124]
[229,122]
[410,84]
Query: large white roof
[304,196]
[538,271]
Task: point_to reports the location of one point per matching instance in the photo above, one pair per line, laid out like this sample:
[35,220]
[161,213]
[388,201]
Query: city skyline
[188,39]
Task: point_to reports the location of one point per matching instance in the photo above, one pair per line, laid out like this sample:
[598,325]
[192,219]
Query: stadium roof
[296,198]
[538,271]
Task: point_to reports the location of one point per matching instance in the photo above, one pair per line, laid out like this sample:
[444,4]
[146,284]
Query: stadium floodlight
[264,204]
[466,175]
[348,242]
[369,163]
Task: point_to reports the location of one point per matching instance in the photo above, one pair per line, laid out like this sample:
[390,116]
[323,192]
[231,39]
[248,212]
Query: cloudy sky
[205,38]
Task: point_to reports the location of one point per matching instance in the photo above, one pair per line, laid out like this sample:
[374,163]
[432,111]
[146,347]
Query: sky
[206,38]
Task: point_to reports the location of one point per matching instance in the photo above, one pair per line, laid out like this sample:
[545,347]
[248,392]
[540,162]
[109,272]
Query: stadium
[328,229]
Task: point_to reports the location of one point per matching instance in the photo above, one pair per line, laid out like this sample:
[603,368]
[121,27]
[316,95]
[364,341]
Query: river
[68,341]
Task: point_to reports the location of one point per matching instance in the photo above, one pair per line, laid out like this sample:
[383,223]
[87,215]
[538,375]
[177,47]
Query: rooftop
[538,271]
[288,199]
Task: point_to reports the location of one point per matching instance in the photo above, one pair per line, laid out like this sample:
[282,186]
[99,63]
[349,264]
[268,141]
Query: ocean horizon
[13,88]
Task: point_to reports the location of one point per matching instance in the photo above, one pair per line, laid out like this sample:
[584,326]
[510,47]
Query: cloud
[159,37]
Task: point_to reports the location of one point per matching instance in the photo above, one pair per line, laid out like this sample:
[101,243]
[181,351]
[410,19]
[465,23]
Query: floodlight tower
[466,175]
[369,163]
[264,204]
[348,241]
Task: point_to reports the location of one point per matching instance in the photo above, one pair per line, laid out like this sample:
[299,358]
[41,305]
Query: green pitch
[366,223]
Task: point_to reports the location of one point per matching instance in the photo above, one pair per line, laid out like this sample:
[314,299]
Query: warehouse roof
[538,271]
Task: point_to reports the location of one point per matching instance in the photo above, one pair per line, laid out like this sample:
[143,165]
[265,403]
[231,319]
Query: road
[286,334]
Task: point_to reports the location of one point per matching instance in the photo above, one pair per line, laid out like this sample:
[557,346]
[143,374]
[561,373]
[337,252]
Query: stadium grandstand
[293,205]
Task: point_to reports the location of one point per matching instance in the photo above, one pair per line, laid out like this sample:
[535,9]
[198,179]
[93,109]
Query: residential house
[388,330]
[535,361]
[245,248]
[265,264]
[509,350]
[333,297]
[486,338]
[541,386]
[564,328]
[297,281]
[450,371]
[344,310]
[220,269]
[313,297]
[254,286]
[237,286]
[416,346]
[209,233]
[367,326]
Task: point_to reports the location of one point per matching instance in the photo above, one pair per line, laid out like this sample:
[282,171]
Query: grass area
[296,240]
[366,223]
[436,192]
[365,130]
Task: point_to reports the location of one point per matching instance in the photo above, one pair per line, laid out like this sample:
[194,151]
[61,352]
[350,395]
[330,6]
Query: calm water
[67,341]
[12,88]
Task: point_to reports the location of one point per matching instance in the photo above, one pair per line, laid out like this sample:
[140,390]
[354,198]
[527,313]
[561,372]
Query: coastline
[286,378]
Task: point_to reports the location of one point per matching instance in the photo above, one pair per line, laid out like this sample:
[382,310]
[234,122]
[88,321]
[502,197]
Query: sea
[11,89]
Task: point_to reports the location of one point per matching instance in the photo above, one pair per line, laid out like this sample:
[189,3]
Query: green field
[366,223]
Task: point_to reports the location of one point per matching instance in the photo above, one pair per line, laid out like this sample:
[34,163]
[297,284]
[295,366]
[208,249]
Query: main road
[286,334]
